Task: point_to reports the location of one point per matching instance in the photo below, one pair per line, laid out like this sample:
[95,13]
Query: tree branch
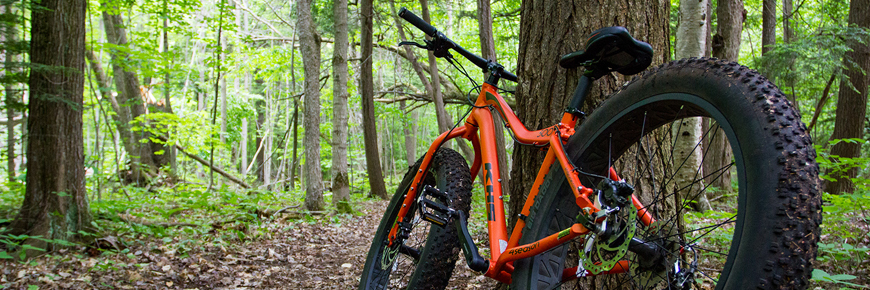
[215,168]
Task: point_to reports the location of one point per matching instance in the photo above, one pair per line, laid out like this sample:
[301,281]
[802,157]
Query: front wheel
[426,258]
[741,214]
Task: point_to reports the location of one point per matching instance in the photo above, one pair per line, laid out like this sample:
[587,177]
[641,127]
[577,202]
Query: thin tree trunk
[340,182]
[10,38]
[726,45]
[294,165]
[267,141]
[169,151]
[373,165]
[310,47]
[788,37]
[768,34]
[730,16]
[852,100]
[55,200]
[261,137]
[410,131]
[691,42]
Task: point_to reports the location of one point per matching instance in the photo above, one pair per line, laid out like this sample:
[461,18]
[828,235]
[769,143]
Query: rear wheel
[760,234]
[424,260]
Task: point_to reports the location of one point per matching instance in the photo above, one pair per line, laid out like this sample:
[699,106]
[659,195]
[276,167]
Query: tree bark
[55,201]
[852,101]
[169,151]
[410,131]
[12,95]
[310,47]
[340,182]
[730,15]
[726,45]
[768,33]
[691,42]
[373,165]
[143,165]
[259,156]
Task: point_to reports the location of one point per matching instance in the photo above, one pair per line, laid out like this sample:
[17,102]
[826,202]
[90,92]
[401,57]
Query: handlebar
[431,31]
[417,21]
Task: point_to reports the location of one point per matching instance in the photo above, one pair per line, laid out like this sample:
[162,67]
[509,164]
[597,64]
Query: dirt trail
[325,253]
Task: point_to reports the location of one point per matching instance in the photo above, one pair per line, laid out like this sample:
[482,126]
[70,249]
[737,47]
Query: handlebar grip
[417,21]
[509,76]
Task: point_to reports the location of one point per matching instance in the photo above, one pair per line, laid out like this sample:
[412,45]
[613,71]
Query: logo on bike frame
[490,200]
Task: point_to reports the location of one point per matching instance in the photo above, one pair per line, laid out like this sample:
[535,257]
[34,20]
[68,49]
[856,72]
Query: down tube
[492,183]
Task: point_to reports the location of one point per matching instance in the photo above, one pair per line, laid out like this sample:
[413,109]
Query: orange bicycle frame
[480,130]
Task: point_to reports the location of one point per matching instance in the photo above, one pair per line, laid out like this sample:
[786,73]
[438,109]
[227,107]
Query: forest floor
[295,251]
[326,252]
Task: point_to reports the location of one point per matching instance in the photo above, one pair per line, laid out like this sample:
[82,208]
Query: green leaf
[4,255]
[842,277]
[29,247]
[32,287]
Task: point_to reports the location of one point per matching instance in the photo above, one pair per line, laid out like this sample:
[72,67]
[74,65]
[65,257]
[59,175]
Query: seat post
[583,86]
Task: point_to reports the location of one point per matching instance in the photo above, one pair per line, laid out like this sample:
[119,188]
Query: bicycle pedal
[433,206]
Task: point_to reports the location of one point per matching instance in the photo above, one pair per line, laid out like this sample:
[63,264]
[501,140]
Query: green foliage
[833,165]
[822,276]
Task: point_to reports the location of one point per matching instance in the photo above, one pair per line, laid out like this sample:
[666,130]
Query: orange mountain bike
[619,199]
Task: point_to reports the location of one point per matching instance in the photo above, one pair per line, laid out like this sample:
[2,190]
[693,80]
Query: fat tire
[449,173]
[779,205]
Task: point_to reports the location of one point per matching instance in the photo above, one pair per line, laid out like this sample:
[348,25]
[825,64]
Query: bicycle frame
[480,130]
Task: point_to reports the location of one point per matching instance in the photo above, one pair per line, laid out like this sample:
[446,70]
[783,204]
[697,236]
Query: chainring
[608,251]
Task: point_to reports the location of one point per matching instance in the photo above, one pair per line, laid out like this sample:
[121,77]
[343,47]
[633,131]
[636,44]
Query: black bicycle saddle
[611,49]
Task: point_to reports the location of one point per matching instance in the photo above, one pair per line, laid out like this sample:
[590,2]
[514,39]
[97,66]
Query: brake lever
[403,43]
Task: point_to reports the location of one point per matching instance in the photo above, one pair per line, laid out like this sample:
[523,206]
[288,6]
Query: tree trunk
[768,34]
[295,163]
[340,182]
[788,37]
[267,141]
[730,15]
[260,105]
[310,47]
[410,131]
[142,164]
[852,101]
[169,151]
[55,201]
[12,99]
[726,45]
[547,31]
[691,42]
[367,90]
